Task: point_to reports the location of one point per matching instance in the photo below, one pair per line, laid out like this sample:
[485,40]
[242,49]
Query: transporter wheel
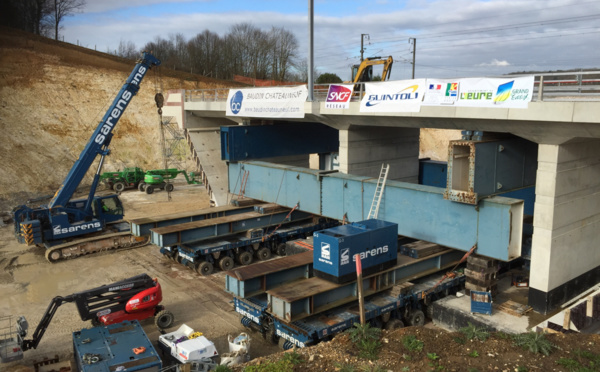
[142,186]
[386,317]
[164,319]
[281,249]
[270,335]
[169,187]
[149,189]
[245,258]
[119,187]
[204,268]
[226,263]
[429,311]
[177,257]
[264,253]
[393,324]
[417,318]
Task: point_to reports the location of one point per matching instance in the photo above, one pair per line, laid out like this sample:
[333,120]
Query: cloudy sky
[455,38]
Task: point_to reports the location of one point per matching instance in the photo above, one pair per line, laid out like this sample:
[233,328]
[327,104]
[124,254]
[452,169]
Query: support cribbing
[451,273]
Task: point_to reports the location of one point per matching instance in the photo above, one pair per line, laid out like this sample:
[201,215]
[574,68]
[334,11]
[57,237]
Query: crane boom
[98,143]
[64,220]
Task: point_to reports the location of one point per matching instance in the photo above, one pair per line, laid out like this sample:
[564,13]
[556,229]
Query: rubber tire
[429,312]
[169,187]
[245,258]
[142,186]
[226,263]
[393,324]
[164,319]
[270,335]
[205,268]
[149,189]
[177,258]
[281,249]
[119,187]
[416,318]
[263,254]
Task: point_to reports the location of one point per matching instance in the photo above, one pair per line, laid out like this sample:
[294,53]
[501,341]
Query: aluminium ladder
[374,211]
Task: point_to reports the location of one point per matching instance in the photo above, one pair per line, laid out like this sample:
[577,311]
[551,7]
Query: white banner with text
[274,102]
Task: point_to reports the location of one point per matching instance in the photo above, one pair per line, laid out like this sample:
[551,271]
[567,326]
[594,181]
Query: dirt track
[28,282]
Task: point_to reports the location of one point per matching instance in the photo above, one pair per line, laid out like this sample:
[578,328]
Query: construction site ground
[28,282]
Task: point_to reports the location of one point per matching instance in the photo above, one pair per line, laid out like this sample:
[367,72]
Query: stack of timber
[482,274]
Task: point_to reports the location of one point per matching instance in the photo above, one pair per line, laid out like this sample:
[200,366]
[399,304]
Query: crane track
[96,244]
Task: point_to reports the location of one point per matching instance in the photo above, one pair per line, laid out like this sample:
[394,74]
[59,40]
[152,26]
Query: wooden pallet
[514,308]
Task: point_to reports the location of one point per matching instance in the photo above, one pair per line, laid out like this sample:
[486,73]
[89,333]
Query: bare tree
[62,9]
[127,50]
[284,53]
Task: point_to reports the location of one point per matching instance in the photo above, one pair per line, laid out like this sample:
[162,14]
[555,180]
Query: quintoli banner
[274,102]
[393,96]
[480,92]
[338,96]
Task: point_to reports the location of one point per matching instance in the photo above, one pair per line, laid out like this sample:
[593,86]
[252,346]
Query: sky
[454,38]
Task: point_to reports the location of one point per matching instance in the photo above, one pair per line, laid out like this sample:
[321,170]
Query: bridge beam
[421,212]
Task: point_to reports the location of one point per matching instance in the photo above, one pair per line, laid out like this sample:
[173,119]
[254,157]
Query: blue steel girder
[495,224]
[189,232]
[142,226]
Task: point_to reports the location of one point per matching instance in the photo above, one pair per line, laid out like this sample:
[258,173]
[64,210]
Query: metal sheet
[193,231]
[284,138]
[142,226]
[421,212]
[294,301]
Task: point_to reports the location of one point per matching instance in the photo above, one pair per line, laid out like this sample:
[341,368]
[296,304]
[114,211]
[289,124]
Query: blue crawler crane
[69,228]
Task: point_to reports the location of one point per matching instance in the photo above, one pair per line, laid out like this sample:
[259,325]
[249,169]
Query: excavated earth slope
[52,97]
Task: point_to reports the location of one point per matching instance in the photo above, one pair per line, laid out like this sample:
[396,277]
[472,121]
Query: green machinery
[158,179]
[121,180]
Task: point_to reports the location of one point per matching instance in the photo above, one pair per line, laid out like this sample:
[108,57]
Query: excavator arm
[364,71]
[93,303]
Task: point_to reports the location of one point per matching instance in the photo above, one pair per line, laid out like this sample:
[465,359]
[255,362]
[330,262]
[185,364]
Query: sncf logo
[338,93]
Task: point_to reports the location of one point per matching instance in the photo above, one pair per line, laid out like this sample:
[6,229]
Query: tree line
[41,17]
[245,50]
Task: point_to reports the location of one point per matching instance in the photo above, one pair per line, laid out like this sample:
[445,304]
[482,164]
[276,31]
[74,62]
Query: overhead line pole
[362,48]
[414,53]
[311,22]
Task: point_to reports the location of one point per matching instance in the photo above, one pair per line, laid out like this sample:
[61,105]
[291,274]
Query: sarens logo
[345,256]
[119,107]
[326,251]
[372,252]
[409,93]
[59,230]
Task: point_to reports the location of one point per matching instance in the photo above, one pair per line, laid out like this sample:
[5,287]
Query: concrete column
[565,258]
[364,149]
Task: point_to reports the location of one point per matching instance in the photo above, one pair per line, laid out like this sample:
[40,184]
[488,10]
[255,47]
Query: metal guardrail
[551,87]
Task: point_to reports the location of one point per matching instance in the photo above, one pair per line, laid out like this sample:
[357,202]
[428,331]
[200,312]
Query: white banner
[338,96]
[273,102]
[393,96]
[480,92]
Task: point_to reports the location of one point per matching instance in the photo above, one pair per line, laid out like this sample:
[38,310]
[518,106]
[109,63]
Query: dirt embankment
[52,97]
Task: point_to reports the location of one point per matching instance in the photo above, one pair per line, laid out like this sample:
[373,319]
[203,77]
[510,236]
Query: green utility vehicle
[157,179]
[121,180]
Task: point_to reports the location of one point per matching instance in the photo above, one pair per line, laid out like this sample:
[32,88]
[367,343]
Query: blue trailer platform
[122,347]
[203,255]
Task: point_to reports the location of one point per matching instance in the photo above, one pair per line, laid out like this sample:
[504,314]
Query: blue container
[116,347]
[376,242]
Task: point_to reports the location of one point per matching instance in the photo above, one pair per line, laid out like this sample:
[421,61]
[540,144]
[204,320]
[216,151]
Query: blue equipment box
[376,242]
[116,347]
